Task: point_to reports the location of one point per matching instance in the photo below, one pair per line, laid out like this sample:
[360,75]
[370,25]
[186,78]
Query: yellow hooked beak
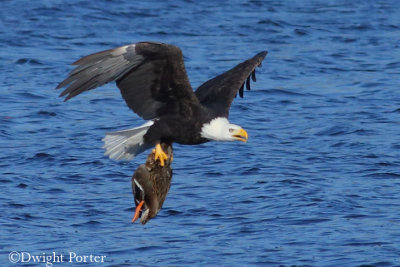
[240,135]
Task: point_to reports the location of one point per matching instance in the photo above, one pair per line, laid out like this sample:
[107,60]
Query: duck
[150,185]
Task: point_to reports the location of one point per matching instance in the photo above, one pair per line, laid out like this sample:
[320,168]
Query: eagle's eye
[231,130]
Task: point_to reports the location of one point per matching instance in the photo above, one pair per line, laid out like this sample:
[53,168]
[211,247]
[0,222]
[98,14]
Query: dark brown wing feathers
[218,93]
[149,75]
[153,81]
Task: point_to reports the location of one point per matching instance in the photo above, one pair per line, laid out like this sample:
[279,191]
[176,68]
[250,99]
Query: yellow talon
[160,154]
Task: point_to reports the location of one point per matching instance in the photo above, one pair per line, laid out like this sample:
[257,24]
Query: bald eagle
[153,82]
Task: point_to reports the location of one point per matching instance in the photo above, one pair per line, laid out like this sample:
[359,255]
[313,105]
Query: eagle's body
[164,130]
[153,82]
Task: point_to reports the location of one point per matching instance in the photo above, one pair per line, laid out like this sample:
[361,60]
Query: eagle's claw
[160,154]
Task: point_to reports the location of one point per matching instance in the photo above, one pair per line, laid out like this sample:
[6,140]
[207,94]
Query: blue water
[316,185]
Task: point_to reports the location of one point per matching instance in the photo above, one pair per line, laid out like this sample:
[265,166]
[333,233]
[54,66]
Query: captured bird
[150,186]
[153,82]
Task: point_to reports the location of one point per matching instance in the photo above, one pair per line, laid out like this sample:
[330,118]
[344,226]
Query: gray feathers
[100,68]
[149,76]
[126,144]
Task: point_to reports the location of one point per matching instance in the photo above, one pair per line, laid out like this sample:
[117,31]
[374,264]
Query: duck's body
[150,186]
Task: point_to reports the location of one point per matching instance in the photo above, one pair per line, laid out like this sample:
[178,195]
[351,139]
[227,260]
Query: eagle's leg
[159,154]
[137,211]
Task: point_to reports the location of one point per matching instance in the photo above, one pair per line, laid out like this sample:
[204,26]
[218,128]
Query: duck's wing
[151,77]
[218,93]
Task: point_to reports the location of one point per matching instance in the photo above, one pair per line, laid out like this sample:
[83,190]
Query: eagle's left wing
[151,77]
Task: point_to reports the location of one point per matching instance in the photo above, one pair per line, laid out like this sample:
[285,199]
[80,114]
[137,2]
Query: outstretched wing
[218,93]
[151,77]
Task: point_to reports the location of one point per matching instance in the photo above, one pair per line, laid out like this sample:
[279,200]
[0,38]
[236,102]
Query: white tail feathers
[126,144]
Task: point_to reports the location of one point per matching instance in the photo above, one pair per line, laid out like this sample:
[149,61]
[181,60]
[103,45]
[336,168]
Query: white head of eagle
[219,129]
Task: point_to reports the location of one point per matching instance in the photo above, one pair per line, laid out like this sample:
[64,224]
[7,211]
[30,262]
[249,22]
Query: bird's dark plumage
[153,82]
[151,76]
[150,184]
[218,93]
